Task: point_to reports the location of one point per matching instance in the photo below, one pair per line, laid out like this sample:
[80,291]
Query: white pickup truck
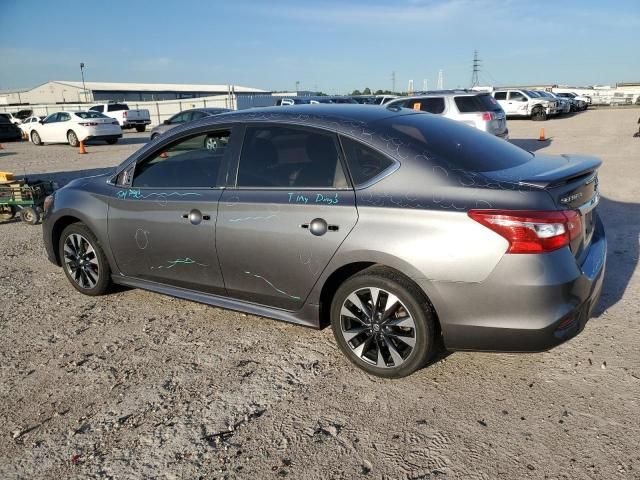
[138,119]
[522,103]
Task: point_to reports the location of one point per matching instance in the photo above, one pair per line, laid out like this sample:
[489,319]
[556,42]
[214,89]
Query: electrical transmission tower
[425,85]
[440,85]
[410,87]
[393,81]
[476,69]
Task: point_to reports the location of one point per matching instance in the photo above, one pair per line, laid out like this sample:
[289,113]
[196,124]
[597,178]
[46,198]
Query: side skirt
[308,315]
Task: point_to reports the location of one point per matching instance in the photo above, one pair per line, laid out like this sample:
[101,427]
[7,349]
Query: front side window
[193,162]
[51,118]
[180,118]
[98,108]
[286,157]
[517,97]
[64,117]
[365,163]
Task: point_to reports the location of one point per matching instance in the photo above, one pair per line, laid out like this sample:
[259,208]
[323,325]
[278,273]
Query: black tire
[538,114]
[141,129]
[112,141]
[29,215]
[72,138]
[154,136]
[7,212]
[412,302]
[35,138]
[102,274]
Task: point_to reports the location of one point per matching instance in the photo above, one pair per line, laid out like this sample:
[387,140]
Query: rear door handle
[319,226]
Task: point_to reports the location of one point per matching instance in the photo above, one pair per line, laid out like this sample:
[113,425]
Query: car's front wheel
[538,114]
[35,138]
[383,323]
[83,260]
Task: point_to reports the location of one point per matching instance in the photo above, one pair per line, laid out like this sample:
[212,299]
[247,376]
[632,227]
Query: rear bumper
[529,303]
[104,137]
[136,123]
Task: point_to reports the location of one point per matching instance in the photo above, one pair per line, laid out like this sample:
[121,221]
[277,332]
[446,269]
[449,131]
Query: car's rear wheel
[538,114]
[83,260]
[112,141]
[141,129]
[72,138]
[154,136]
[35,138]
[383,323]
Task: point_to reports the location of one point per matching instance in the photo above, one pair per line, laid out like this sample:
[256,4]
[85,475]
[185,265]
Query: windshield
[457,144]
[533,94]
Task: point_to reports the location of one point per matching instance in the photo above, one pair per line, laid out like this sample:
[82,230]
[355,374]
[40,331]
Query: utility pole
[84,89]
[297,86]
[476,69]
[440,85]
[393,82]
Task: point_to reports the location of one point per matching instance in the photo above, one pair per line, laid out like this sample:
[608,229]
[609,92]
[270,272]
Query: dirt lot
[138,385]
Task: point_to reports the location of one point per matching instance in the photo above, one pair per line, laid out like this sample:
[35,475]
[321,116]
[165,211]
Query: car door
[162,214]
[60,128]
[288,212]
[516,103]
[47,128]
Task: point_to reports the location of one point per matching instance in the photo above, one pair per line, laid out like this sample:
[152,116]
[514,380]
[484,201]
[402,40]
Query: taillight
[115,122]
[125,114]
[88,124]
[532,231]
[488,116]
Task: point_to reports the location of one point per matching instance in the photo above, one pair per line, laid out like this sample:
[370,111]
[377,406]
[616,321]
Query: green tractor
[22,197]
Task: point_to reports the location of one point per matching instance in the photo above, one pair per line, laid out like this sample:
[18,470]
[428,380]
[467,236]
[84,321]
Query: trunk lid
[572,182]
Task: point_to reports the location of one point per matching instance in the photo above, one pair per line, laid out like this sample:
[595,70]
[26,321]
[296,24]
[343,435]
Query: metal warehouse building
[59,91]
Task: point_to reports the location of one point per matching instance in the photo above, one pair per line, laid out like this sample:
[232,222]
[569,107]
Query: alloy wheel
[377,327]
[81,261]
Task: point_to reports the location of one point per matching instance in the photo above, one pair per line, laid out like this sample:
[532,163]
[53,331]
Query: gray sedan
[396,227]
[185,117]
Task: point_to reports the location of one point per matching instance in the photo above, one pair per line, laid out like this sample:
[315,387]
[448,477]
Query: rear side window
[365,163]
[431,105]
[275,156]
[90,115]
[190,163]
[500,95]
[115,107]
[477,103]
[459,146]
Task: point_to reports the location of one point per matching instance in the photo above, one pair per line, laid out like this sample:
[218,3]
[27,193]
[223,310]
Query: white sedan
[73,127]
[28,123]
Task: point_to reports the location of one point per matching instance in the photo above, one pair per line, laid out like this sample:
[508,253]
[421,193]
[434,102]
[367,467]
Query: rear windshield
[457,144]
[91,114]
[477,103]
[114,107]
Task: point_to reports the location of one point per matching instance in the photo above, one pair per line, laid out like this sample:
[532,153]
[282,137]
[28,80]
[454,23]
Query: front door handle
[195,216]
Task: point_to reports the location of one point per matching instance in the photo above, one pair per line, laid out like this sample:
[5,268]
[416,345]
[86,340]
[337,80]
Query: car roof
[443,93]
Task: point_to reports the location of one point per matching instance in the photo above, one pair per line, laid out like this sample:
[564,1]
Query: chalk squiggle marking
[142,239]
[180,261]
[242,219]
[273,286]
[138,195]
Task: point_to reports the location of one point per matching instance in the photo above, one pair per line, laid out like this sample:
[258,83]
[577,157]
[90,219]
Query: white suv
[522,103]
[476,109]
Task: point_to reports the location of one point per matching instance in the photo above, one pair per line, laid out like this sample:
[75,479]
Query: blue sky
[332,45]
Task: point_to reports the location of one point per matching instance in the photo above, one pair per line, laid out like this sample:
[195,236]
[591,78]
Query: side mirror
[166,122]
[524,99]
[41,122]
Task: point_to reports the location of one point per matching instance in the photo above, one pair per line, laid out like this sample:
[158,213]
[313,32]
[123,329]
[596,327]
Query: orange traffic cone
[541,137]
[82,149]
[1,147]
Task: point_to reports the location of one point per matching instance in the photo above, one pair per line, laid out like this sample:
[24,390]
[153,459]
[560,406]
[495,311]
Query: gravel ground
[139,385]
